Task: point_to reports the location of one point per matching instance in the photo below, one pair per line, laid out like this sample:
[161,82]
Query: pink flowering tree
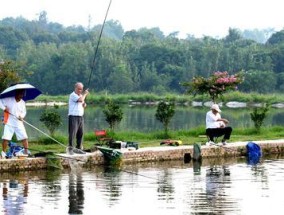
[215,85]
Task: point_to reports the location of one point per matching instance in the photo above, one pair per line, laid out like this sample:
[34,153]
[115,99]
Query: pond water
[142,118]
[217,186]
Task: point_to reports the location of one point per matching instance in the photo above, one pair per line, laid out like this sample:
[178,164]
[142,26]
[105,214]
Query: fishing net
[53,161]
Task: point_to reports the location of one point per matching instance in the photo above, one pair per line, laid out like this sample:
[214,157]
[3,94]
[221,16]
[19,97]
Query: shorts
[9,131]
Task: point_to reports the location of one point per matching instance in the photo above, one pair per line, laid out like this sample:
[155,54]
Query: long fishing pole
[97,47]
[44,133]
[39,130]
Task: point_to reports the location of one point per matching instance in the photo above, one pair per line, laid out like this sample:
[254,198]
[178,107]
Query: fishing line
[134,173]
[44,133]
[97,47]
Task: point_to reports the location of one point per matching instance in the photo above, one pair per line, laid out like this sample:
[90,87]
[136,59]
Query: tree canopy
[53,57]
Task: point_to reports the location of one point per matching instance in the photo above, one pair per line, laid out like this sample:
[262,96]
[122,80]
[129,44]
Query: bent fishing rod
[97,47]
[62,156]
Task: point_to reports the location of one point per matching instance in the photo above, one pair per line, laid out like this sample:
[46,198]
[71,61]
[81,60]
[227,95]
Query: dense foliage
[52,57]
[8,75]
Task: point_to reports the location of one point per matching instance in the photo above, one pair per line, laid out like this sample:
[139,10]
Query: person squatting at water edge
[216,126]
[76,108]
[14,113]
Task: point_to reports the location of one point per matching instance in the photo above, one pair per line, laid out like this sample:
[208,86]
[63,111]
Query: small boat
[112,156]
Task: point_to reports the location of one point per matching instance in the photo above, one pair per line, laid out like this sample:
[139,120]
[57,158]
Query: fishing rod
[38,130]
[43,133]
[61,156]
[97,47]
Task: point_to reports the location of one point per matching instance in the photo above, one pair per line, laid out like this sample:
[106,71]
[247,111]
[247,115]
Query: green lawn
[153,139]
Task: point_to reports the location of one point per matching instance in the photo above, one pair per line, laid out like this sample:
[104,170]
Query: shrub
[51,119]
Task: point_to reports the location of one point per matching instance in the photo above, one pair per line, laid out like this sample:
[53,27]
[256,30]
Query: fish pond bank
[147,154]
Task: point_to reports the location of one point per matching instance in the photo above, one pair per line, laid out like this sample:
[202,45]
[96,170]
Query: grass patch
[153,139]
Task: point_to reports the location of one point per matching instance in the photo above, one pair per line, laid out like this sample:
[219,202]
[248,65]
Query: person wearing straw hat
[216,126]
[14,112]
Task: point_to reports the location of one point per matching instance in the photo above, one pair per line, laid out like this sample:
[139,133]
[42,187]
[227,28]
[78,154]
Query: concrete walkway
[146,154]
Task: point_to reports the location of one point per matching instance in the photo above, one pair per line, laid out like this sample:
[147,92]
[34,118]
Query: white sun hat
[215,107]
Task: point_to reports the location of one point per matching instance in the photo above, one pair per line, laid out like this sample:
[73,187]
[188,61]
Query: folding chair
[102,138]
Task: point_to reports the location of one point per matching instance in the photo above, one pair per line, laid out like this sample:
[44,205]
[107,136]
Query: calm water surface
[142,118]
[168,188]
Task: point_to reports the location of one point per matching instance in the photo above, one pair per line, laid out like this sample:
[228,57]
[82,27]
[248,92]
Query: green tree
[165,112]
[276,38]
[258,115]
[258,81]
[120,80]
[51,119]
[8,74]
[234,35]
[113,114]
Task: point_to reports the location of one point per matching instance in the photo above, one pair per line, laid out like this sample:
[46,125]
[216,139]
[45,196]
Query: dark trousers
[76,130]
[218,132]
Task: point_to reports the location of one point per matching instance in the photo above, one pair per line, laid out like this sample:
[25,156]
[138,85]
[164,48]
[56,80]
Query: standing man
[14,113]
[216,126]
[76,108]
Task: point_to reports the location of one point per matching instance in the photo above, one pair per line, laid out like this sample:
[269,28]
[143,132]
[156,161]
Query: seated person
[217,126]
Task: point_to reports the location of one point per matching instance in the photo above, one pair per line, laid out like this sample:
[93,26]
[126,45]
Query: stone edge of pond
[147,154]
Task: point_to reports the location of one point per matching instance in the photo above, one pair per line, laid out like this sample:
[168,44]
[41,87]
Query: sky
[194,17]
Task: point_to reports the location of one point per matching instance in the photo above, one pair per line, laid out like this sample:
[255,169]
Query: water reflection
[215,186]
[112,184]
[215,190]
[197,166]
[15,195]
[165,189]
[76,194]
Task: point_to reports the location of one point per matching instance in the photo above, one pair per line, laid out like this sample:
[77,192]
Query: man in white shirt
[14,113]
[76,108]
[217,126]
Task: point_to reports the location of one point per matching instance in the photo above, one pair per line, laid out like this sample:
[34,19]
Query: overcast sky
[195,17]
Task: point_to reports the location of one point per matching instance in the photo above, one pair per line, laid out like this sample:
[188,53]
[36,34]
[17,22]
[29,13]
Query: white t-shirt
[212,120]
[75,108]
[16,110]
